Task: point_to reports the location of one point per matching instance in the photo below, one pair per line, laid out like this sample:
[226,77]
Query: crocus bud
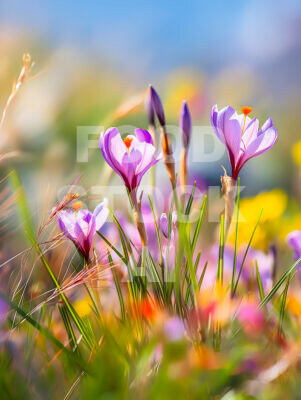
[156,105]
[185,124]
[149,108]
[164,224]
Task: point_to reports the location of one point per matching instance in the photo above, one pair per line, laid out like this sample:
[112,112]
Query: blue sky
[156,36]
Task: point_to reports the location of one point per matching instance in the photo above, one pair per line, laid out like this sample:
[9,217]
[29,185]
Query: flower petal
[84,230]
[130,163]
[101,214]
[66,222]
[250,133]
[148,151]
[213,119]
[260,145]
[229,124]
[154,161]
[294,240]
[144,136]
[114,146]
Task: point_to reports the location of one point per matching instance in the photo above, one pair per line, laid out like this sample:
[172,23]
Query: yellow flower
[297,153]
[82,307]
[273,203]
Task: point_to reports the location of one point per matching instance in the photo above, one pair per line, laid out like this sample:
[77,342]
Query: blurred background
[92,56]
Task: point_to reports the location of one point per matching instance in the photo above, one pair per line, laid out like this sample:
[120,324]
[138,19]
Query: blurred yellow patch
[82,307]
[205,358]
[287,225]
[273,203]
[294,305]
[217,301]
[297,153]
[183,86]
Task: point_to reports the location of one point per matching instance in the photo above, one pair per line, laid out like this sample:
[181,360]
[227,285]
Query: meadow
[125,273]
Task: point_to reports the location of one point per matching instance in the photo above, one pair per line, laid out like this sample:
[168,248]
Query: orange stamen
[245,110]
[77,205]
[128,141]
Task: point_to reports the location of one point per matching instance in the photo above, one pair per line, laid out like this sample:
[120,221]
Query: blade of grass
[112,247]
[117,285]
[65,317]
[198,225]
[45,332]
[156,282]
[260,286]
[220,265]
[158,235]
[77,320]
[94,307]
[202,276]
[190,200]
[29,230]
[22,204]
[188,289]
[279,283]
[283,304]
[192,272]
[246,253]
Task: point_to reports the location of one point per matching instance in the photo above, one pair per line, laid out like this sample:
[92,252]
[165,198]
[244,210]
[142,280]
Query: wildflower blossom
[81,225]
[241,136]
[131,157]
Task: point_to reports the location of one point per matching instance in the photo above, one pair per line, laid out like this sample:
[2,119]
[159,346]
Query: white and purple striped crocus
[81,225]
[130,157]
[241,135]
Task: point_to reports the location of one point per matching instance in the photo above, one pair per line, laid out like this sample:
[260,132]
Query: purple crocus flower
[241,136]
[156,104]
[294,240]
[185,124]
[131,157]
[80,226]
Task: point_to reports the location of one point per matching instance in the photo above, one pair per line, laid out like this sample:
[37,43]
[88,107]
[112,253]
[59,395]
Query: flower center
[77,205]
[245,110]
[128,141]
